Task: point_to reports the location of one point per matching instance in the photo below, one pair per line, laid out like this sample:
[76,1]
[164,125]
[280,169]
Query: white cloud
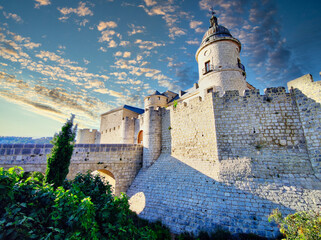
[102,49]
[119,75]
[13,16]
[118,54]
[86,61]
[193,42]
[176,31]
[112,44]
[103,25]
[106,35]
[31,45]
[82,10]
[124,43]
[127,54]
[136,29]
[42,3]
[150,2]
[148,44]
[195,24]
[121,54]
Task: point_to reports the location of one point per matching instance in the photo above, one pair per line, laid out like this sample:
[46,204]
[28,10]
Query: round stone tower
[155,100]
[219,63]
[152,128]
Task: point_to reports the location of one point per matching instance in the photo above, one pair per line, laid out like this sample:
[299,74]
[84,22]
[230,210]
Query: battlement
[153,109]
[269,95]
[129,118]
[84,130]
[90,136]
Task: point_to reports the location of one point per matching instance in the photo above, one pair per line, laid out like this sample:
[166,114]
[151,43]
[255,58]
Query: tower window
[208,67]
[158,98]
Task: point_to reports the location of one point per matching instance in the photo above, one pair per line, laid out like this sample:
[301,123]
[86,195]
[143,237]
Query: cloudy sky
[60,57]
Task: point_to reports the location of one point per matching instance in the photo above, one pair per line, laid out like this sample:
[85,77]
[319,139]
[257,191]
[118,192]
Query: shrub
[300,225]
[175,103]
[83,208]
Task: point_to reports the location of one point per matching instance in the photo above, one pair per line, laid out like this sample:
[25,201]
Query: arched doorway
[107,177]
[140,137]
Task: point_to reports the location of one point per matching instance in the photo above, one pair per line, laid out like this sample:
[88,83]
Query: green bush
[300,225]
[83,208]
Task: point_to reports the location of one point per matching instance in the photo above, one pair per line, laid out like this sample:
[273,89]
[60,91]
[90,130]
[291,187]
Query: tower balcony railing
[207,69]
[241,66]
[210,68]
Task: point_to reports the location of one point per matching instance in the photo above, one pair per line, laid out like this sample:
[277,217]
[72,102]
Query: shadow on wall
[166,131]
[310,115]
[107,177]
[187,200]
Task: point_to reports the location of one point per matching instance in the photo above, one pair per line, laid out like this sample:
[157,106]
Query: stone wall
[264,130]
[111,127]
[128,130]
[122,160]
[228,161]
[88,136]
[188,130]
[307,96]
[186,199]
[152,133]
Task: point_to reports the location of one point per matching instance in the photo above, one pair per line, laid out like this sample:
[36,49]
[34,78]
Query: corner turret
[155,100]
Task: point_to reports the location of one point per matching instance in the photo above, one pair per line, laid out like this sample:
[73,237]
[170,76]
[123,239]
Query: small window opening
[207,66]
[210,90]
[158,98]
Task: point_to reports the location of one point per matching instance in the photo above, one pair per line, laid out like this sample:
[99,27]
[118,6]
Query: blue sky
[88,57]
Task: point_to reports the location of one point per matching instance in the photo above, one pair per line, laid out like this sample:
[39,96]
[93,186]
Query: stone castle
[217,154]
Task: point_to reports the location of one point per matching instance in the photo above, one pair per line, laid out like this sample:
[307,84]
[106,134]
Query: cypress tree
[58,160]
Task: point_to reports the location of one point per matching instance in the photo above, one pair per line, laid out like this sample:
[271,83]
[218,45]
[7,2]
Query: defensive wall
[227,161]
[91,136]
[121,161]
[307,95]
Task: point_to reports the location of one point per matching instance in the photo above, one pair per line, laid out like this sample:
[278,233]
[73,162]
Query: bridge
[119,163]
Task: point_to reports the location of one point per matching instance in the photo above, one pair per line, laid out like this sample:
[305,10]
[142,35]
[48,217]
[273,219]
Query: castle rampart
[229,161]
[307,96]
[266,130]
[123,160]
[87,136]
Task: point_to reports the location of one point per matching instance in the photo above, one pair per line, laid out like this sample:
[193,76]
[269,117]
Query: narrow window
[158,98]
[207,66]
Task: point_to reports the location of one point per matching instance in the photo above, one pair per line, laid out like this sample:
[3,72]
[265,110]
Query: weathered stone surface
[123,161]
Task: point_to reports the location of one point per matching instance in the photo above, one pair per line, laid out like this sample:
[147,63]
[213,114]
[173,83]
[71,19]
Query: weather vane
[212,11]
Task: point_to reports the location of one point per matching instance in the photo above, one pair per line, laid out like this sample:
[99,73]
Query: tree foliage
[59,160]
[83,208]
[300,225]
